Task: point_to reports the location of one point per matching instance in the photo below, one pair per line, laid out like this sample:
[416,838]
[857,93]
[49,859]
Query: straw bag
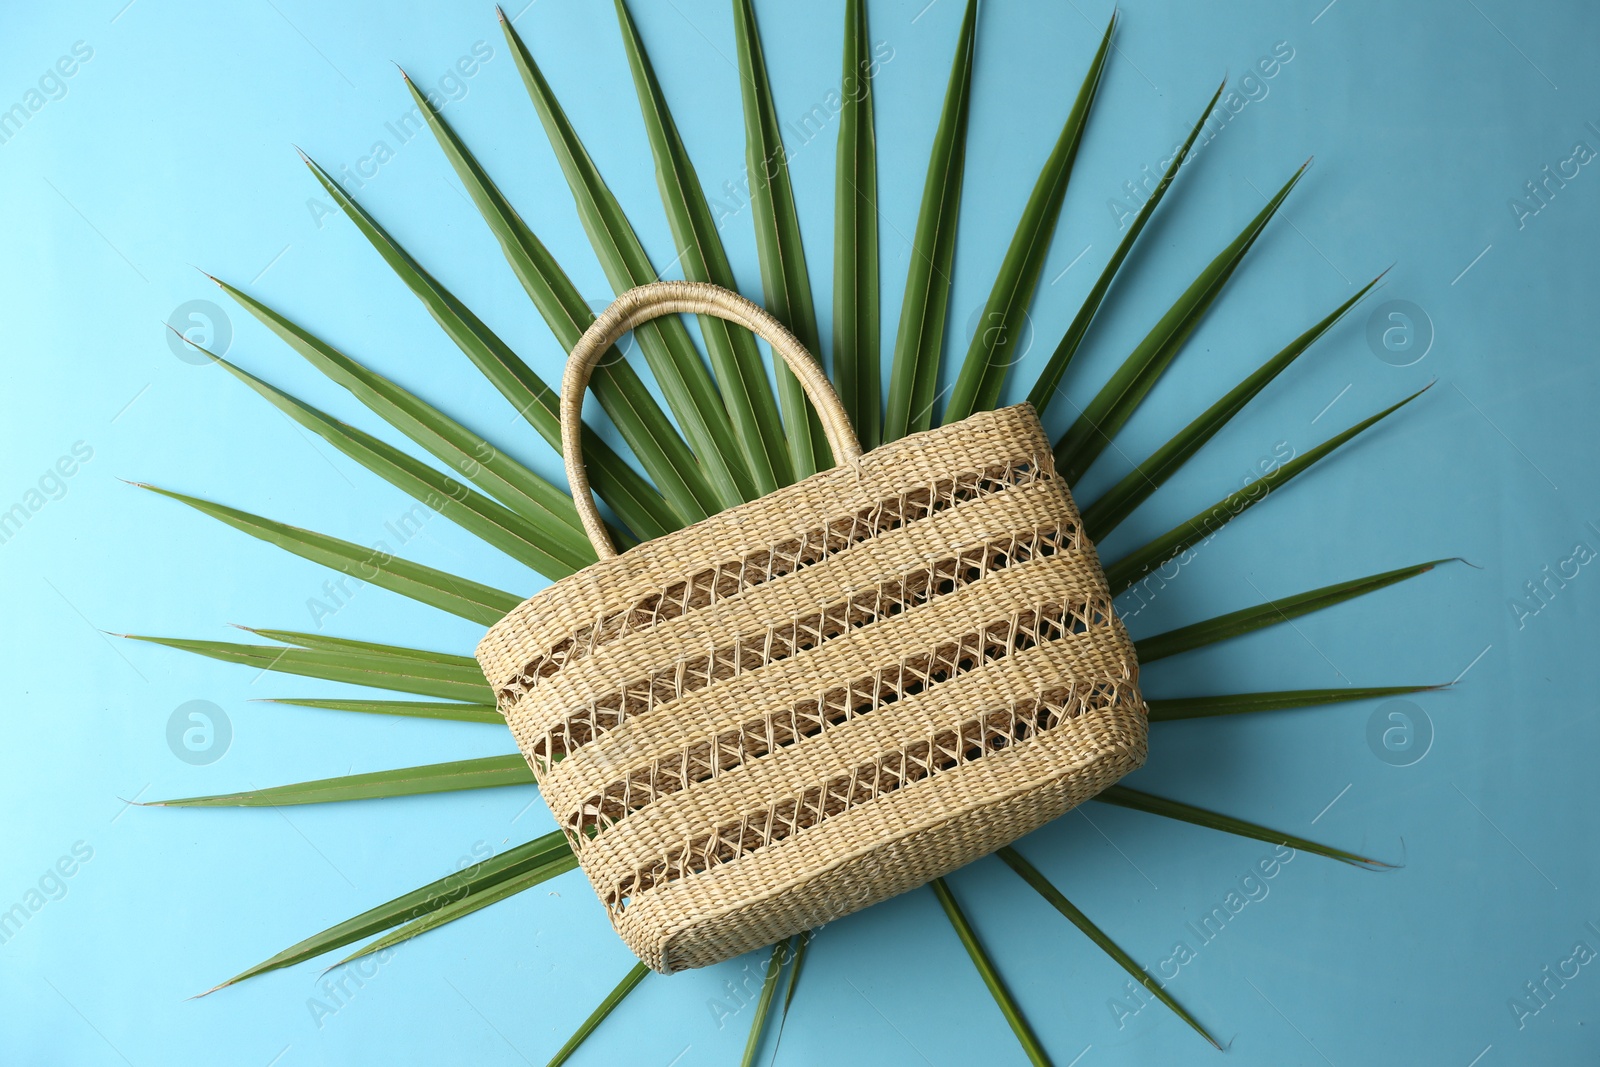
[819,699]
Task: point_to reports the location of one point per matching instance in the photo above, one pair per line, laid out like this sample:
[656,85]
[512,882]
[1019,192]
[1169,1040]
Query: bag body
[822,698]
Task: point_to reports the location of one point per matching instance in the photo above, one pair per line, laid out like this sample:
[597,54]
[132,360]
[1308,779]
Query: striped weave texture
[828,696]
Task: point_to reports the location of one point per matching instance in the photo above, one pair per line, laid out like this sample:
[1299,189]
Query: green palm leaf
[1041,884]
[380,672]
[539,546]
[558,863]
[1101,517]
[801,942]
[1246,620]
[1117,400]
[654,440]
[734,355]
[629,982]
[855,237]
[785,280]
[1129,569]
[991,977]
[991,354]
[1044,389]
[459,596]
[415,709]
[769,986]
[464,452]
[665,342]
[484,773]
[1171,710]
[1123,797]
[914,373]
[635,500]
[301,639]
[513,862]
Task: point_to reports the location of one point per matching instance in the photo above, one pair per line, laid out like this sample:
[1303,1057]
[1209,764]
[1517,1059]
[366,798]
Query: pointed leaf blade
[477,901]
[734,355]
[1123,797]
[1004,320]
[464,452]
[991,977]
[414,709]
[1044,389]
[1030,874]
[665,342]
[855,237]
[1129,569]
[914,372]
[1117,400]
[447,592]
[653,438]
[1176,708]
[375,671]
[785,280]
[537,546]
[769,986]
[629,983]
[1101,517]
[488,772]
[530,855]
[372,649]
[1247,620]
[635,501]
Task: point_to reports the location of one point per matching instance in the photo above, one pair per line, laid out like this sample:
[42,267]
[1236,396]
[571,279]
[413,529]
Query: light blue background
[171,150]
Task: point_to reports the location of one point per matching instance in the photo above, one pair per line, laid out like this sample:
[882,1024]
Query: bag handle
[646,302]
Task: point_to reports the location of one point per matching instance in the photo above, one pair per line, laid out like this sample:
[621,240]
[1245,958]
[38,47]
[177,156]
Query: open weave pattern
[722,580]
[783,638]
[816,700]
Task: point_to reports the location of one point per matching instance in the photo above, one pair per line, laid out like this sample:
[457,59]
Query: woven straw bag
[819,699]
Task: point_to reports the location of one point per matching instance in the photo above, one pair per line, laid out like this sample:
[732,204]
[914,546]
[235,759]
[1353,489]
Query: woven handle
[652,301]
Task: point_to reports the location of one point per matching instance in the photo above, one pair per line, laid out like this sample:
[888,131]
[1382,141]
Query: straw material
[814,701]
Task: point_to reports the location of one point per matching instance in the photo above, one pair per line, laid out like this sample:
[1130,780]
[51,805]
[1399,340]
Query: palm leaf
[379,672]
[1057,900]
[415,709]
[802,940]
[734,355]
[1123,797]
[855,237]
[1101,517]
[427,657]
[991,353]
[785,280]
[1176,708]
[635,500]
[485,773]
[558,863]
[914,373]
[665,342]
[1100,420]
[629,982]
[1245,620]
[539,546]
[458,448]
[1044,388]
[991,977]
[459,596]
[654,440]
[769,986]
[517,860]
[1136,564]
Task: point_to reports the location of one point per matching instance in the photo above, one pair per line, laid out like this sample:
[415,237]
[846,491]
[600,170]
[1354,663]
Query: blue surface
[168,148]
